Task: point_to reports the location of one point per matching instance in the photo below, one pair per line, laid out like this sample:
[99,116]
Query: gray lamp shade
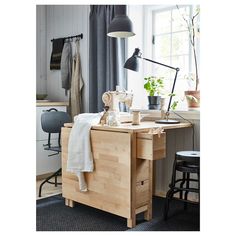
[121,27]
[132,63]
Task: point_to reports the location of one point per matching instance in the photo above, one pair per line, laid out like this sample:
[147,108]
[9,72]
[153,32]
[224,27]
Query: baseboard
[159,194]
[191,196]
[51,195]
[43,176]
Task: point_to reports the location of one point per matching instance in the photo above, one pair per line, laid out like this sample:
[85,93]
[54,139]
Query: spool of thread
[162,103]
[136,118]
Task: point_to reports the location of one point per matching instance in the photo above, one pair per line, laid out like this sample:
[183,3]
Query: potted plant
[193,96]
[154,86]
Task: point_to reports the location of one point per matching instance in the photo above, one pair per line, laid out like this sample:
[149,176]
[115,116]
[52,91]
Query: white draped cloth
[80,157]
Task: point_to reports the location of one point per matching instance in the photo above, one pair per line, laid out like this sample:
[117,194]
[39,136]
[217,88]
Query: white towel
[80,158]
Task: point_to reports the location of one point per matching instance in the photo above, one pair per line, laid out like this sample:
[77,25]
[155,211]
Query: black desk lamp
[132,64]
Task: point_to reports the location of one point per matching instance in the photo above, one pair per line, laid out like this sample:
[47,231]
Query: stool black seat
[186,162]
[185,167]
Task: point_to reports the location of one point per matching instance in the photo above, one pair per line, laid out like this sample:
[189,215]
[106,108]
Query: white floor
[48,189]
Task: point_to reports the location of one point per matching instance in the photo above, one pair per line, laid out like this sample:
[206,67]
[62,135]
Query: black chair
[187,162]
[51,121]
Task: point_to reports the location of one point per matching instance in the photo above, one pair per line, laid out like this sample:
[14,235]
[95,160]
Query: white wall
[61,21]
[135,79]
[41,74]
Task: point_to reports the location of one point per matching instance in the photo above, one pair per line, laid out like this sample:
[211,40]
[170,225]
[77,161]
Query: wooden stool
[187,162]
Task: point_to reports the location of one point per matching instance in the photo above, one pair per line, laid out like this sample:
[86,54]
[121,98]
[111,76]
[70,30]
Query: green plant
[174,103]
[154,85]
[192,98]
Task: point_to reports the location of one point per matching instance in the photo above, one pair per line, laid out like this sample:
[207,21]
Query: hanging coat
[76,84]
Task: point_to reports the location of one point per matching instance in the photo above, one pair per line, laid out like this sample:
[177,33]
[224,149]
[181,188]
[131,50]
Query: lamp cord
[190,123]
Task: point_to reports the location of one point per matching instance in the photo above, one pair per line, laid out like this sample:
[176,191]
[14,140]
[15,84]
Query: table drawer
[151,146]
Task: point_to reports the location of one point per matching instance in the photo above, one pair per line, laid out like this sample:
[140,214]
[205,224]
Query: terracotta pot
[193,98]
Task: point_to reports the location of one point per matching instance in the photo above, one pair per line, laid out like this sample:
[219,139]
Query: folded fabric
[57,46]
[80,157]
[82,183]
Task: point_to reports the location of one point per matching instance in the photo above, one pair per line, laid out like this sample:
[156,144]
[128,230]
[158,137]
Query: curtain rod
[70,37]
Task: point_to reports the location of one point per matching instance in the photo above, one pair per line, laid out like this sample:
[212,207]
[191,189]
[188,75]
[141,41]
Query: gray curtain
[106,55]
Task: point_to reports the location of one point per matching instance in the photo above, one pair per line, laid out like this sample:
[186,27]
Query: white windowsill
[153,114]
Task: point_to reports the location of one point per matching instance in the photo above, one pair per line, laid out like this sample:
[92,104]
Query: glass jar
[113,118]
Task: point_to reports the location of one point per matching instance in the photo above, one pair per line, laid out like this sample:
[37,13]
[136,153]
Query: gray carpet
[53,215]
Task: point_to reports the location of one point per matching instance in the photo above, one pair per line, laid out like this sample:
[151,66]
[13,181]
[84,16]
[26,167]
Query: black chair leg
[58,172]
[170,193]
[181,185]
[173,174]
[198,177]
[186,192]
[55,180]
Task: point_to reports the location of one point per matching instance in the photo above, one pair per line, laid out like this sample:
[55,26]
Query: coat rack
[71,37]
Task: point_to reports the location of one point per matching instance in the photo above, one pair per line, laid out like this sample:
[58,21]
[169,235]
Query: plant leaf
[174,105]
[191,97]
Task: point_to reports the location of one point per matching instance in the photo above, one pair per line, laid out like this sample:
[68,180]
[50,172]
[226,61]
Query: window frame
[144,42]
[171,32]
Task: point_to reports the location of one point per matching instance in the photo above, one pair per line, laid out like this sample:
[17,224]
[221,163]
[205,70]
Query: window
[167,41]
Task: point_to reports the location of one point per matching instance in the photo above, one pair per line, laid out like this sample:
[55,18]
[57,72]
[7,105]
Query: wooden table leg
[69,202]
[131,222]
[148,213]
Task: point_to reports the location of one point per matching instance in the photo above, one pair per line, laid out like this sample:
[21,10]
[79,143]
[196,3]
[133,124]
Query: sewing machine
[111,100]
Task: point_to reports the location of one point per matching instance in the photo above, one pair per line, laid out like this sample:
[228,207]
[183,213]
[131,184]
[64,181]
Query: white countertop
[41,103]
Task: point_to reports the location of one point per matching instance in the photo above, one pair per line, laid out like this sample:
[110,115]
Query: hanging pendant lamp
[121,27]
